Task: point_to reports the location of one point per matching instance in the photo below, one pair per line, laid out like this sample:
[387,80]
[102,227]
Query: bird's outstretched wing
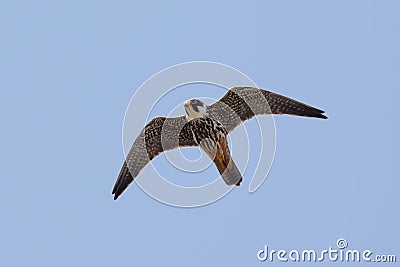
[242,103]
[159,135]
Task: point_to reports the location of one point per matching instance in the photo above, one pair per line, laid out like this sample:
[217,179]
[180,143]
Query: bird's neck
[195,116]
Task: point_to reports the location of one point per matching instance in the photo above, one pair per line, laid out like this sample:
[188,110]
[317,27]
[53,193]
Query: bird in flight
[207,127]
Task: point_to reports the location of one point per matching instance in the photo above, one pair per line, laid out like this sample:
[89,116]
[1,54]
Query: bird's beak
[187,103]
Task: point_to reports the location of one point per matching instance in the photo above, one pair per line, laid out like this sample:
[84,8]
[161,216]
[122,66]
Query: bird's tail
[221,156]
[229,171]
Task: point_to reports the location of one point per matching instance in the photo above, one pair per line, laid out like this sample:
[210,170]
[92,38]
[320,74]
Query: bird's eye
[193,101]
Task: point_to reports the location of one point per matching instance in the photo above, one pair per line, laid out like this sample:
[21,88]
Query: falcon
[207,127]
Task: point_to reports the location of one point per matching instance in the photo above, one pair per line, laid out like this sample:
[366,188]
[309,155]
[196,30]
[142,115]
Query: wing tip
[114,193]
[309,111]
[322,115]
[119,189]
[123,181]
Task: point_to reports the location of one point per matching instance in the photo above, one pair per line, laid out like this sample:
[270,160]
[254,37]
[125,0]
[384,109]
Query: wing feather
[236,106]
[159,135]
[242,103]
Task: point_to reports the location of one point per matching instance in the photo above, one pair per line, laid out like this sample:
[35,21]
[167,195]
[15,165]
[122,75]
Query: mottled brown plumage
[243,103]
[209,132]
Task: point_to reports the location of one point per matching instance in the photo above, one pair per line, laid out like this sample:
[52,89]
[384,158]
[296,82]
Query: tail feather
[225,164]
[231,174]
[227,168]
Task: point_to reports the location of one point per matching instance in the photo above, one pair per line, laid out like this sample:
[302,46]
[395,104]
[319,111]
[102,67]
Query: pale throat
[192,113]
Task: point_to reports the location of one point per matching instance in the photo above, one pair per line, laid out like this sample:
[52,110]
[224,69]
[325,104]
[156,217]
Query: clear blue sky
[68,71]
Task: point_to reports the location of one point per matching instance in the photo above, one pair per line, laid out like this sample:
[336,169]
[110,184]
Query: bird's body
[211,136]
[207,127]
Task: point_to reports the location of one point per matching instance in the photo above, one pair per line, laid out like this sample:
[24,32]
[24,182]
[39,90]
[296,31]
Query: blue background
[68,70]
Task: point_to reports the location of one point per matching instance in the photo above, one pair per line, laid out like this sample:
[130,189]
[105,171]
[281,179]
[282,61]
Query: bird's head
[195,108]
